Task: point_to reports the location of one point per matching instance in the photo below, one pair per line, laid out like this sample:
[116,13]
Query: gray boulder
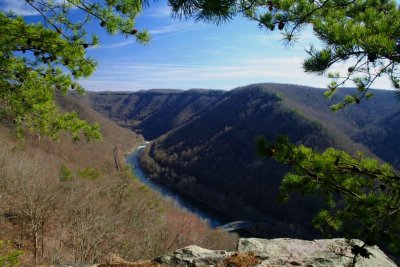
[193,256]
[323,252]
[280,252]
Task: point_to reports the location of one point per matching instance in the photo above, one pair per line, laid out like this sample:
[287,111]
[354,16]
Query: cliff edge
[271,252]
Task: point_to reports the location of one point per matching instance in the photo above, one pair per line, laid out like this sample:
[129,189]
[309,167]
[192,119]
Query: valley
[65,202]
[203,143]
[202,154]
[213,218]
[107,159]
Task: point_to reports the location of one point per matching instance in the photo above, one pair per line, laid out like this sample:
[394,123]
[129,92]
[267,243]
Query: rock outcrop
[322,252]
[278,252]
[194,256]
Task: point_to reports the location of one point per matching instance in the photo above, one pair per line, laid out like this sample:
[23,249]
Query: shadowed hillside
[383,137]
[210,155]
[374,122]
[155,112]
[213,159]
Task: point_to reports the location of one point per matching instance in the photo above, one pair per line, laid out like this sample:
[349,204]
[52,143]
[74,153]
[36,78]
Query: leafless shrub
[28,198]
[82,220]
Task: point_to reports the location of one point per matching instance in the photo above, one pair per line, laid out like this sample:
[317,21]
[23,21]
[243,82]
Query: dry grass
[242,260]
[89,219]
[116,261]
[143,264]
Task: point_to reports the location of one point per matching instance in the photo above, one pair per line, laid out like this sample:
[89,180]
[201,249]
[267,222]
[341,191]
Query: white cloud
[19,7]
[158,12]
[214,52]
[177,27]
[115,45]
[164,31]
[127,76]
[212,38]
[94,85]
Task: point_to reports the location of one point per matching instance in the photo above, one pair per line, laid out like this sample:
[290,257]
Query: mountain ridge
[210,154]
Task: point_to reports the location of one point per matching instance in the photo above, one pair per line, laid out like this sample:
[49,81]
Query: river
[213,218]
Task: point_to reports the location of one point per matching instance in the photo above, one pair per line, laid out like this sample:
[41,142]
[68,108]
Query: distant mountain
[374,123]
[204,142]
[383,137]
[155,112]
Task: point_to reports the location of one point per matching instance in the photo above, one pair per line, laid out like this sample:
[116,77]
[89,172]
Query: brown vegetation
[65,203]
[242,260]
[247,259]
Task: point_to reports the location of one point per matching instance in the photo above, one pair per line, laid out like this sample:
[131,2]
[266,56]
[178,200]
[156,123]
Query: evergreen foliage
[40,60]
[364,34]
[204,142]
[361,195]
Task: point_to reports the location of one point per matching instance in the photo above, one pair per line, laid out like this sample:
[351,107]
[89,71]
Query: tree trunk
[35,248]
[42,242]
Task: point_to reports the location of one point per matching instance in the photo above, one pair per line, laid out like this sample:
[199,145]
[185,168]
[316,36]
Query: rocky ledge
[277,252]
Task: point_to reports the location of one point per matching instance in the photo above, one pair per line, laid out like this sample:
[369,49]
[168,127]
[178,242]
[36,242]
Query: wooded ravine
[203,142]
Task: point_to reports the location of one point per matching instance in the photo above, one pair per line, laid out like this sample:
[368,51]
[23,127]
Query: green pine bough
[39,61]
[362,196]
[360,38]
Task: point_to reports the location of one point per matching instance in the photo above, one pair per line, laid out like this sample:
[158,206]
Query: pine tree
[39,61]
[364,33]
[362,196]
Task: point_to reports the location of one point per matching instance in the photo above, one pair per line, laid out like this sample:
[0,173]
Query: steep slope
[82,154]
[354,117]
[155,112]
[65,203]
[383,138]
[373,123]
[213,158]
[210,155]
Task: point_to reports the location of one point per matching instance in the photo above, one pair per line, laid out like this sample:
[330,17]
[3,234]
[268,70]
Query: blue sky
[185,54]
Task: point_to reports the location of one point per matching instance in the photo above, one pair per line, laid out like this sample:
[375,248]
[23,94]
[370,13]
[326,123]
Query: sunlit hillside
[66,203]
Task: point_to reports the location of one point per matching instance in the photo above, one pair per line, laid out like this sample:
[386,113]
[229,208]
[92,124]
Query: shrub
[8,255]
[89,173]
[65,174]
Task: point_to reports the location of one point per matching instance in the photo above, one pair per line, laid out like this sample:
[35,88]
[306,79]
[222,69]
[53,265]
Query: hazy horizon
[185,54]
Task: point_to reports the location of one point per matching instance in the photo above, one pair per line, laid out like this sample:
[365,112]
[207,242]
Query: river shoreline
[213,218]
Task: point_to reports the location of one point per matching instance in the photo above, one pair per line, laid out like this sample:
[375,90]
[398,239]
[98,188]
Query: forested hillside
[372,122]
[65,202]
[155,112]
[382,137]
[210,155]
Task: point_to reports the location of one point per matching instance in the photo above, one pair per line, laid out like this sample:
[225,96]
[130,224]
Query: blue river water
[213,218]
